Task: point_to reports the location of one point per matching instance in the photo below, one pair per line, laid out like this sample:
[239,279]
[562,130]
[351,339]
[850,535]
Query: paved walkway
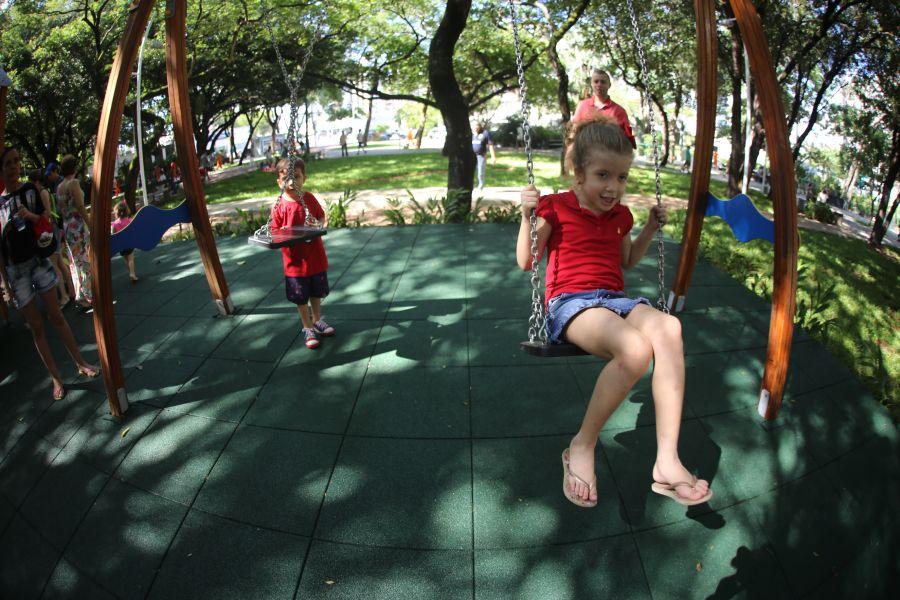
[417,453]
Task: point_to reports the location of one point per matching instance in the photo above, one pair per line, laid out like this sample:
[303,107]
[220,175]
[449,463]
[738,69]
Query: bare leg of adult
[35,322]
[664,333]
[56,318]
[56,261]
[605,334]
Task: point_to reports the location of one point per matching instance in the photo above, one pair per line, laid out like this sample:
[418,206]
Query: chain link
[293,85]
[537,323]
[660,245]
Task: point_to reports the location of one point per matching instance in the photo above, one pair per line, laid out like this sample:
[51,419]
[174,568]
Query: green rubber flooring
[416,453]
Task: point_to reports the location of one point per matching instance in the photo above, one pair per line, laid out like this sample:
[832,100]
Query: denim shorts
[565,307]
[300,289]
[27,279]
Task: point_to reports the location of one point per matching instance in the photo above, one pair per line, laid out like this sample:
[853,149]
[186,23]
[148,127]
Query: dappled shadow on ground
[417,452]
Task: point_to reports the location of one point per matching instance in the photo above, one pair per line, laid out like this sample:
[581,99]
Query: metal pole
[747,128]
[137,104]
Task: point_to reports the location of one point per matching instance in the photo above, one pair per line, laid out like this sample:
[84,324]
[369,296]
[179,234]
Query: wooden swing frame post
[781,322]
[104,166]
[4,312]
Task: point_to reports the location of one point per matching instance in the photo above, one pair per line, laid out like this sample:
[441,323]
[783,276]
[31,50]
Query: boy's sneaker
[312,338]
[324,328]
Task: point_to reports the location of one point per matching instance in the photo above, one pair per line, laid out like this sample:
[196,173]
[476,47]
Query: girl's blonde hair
[602,133]
[282,166]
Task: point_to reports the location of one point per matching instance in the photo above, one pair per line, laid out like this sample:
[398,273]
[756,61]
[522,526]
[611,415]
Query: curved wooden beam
[784,193]
[180,109]
[3,92]
[101,200]
[707,46]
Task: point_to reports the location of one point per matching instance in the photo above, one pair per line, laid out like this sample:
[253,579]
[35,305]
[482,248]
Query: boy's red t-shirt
[303,259]
[584,251]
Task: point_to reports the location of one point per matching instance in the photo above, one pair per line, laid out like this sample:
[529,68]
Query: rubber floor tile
[345,571]
[216,558]
[138,525]
[400,493]
[271,478]
[607,568]
[519,499]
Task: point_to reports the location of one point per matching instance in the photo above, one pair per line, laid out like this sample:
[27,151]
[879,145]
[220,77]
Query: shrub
[336,210]
[821,212]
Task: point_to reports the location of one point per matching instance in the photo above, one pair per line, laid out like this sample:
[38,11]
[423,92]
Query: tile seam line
[337,454]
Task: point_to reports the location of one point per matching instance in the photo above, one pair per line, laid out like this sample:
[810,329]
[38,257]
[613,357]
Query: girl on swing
[586,232]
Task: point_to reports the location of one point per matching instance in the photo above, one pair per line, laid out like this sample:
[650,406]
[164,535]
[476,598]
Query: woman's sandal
[669,489]
[576,500]
[59,393]
[89,372]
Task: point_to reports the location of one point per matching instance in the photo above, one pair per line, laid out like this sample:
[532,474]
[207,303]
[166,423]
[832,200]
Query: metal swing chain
[537,323]
[660,246]
[293,86]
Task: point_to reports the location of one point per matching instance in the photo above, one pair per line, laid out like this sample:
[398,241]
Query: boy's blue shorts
[300,289]
[565,307]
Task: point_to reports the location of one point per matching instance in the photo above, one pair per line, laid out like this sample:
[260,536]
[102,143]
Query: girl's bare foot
[581,463]
[672,472]
[59,391]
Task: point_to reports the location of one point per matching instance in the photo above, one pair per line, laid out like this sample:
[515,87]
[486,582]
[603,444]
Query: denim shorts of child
[565,307]
[300,289]
[27,279]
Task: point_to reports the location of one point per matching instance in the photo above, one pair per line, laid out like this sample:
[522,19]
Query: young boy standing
[305,264]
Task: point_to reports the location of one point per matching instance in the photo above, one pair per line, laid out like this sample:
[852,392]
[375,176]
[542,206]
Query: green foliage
[846,296]
[336,210]
[821,212]
[446,210]
[814,299]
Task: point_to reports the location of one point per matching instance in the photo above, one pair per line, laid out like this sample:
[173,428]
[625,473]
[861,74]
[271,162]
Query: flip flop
[576,500]
[59,393]
[668,489]
[89,372]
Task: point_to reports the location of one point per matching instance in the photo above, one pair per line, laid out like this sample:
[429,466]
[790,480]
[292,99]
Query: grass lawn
[427,168]
[848,295]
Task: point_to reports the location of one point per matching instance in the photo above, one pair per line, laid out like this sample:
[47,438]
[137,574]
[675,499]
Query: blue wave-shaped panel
[148,227]
[741,214]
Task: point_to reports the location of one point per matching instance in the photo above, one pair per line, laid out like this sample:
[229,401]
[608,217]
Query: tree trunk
[249,141]
[850,180]
[369,113]
[272,118]
[421,130]
[757,142]
[452,104]
[665,135]
[129,187]
[736,159]
[562,77]
[234,152]
[879,227]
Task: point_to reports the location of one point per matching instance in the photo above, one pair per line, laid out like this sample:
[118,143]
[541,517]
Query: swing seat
[287,236]
[548,350]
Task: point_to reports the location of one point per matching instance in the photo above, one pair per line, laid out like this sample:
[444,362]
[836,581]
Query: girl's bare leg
[603,333]
[129,262]
[664,333]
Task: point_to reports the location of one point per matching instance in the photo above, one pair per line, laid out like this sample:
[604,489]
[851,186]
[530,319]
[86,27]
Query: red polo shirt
[303,259]
[584,251]
[587,111]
